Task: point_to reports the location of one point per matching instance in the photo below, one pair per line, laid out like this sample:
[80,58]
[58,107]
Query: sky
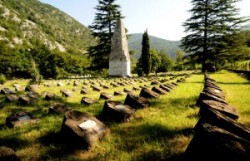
[162,18]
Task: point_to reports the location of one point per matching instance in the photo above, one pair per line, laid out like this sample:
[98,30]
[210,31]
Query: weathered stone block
[136,102]
[113,110]
[147,93]
[20,118]
[81,129]
[226,109]
[214,143]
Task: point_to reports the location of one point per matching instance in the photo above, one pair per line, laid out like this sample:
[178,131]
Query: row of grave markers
[81,128]
[218,135]
[91,129]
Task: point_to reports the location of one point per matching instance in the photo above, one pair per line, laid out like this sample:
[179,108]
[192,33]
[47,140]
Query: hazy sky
[162,18]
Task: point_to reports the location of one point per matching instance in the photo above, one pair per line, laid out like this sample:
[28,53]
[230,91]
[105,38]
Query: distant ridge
[246,27]
[134,43]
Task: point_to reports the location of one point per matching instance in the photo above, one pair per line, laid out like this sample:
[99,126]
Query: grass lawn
[160,132]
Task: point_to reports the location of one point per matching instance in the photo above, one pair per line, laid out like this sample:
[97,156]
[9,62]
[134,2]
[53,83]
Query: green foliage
[166,63]
[139,72]
[102,28]
[243,65]
[36,78]
[155,60]
[213,28]
[2,79]
[33,30]
[14,62]
[179,64]
[145,60]
[54,64]
[247,37]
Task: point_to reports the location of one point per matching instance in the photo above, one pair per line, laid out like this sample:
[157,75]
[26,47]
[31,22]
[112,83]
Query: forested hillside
[170,47]
[31,31]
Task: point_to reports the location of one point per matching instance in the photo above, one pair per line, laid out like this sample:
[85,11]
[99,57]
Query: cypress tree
[103,28]
[212,29]
[145,54]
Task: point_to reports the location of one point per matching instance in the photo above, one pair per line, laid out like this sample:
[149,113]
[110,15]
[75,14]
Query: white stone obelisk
[119,59]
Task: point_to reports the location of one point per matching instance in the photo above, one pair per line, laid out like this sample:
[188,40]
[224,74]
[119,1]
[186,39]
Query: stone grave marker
[76,83]
[207,96]
[96,88]
[147,93]
[11,98]
[165,88]
[66,93]
[221,120]
[24,99]
[58,108]
[84,91]
[214,143]
[87,101]
[82,129]
[113,110]
[136,102]
[136,88]
[114,84]
[118,93]
[214,92]
[181,80]
[127,90]
[7,91]
[60,84]
[20,118]
[49,96]
[105,96]
[104,86]
[226,109]
[32,88]
[18,88]
[159,90]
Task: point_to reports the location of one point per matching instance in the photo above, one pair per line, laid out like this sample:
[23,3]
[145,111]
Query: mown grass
[160,132]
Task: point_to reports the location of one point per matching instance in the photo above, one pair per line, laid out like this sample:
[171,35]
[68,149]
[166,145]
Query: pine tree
[102,28]
[145,59]
[212,26]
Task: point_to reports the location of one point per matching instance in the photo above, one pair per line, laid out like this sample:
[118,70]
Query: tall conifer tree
[103,28]
[211,28]
[145,54]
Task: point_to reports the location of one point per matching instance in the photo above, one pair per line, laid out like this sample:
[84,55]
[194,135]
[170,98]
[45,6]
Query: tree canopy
[213,30]
[103,28]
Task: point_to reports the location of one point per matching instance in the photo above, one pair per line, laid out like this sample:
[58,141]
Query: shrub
[2,79]
[140,72]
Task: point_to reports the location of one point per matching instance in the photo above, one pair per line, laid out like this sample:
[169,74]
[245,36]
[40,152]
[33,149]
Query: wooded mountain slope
[23,22]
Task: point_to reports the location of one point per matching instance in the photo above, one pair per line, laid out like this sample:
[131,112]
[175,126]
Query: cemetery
[89,97]
[170,119]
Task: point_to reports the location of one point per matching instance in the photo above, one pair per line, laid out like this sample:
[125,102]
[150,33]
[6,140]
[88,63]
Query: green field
[159,132]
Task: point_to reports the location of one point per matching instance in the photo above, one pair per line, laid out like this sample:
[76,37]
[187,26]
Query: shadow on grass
[233,83]
[56,148]
[156,156]
[150,134]
[183,102]
[13,141]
